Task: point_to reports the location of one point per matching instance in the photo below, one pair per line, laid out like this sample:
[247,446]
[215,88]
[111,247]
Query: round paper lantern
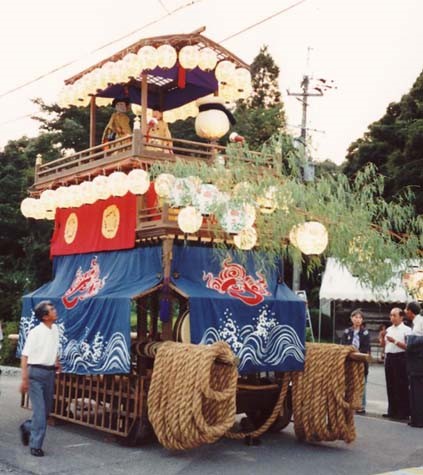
[118,182]
[163,185]
[312,238]
[148,57]
[38,211]
[76,196]
[211,124]
[49,199]
[267,203]
[413,281]
[242,79]
[138,181]
[87,192]
[28,206]
[166,56]
[190,219]
[50,214]
[64,198]
[225,71]
[246,239]
[101,187]
[184,191]
[206,199]
[188,57]
[207,59]
[131,65]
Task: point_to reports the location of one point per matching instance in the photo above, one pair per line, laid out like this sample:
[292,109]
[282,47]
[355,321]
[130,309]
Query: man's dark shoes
[37,452]
[24,435]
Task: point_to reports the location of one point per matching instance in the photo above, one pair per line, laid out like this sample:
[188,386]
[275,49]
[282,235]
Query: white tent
[339,284]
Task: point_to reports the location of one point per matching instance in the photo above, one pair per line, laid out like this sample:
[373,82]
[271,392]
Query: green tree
[262,114]
[395,145]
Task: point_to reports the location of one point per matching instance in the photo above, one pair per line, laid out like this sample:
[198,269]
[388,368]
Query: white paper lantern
[28,206]
[49,199]
[163,185]
[76,196]
[225,71]
[118,182]
[101,187]
[206,199]
[211,124]
[50,214]
[207,59]
[64,198]
[138,181]
[246,239]
[293,235]
[39,210]
[166,56]
[190,219]
[242,79]
[311,238]
[87,192]
[189,56]
[148,57]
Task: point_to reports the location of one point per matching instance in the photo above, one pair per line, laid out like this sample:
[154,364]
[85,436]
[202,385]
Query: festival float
[175,230]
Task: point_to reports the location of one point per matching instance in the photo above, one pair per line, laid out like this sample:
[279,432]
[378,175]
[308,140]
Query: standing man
[359,337]
[396,367]
[414,352]
[38,362]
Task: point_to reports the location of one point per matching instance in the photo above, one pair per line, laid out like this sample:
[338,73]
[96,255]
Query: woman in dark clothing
[359,337]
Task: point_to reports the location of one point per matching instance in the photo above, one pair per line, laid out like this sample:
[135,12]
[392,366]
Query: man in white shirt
[395,367]
[39,362]
[414,354]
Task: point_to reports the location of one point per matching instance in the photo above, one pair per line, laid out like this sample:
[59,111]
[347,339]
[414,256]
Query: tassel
[182,77]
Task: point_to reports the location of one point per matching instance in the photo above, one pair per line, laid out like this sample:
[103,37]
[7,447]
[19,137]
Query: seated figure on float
[118,125]
[158,134]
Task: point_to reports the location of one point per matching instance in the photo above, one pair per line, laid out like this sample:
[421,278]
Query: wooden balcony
[125,154]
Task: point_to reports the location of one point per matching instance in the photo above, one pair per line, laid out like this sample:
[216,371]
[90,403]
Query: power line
[139,29]
[263,21]
[153,22]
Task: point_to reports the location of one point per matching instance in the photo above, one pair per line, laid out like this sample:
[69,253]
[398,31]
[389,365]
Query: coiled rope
[192,396]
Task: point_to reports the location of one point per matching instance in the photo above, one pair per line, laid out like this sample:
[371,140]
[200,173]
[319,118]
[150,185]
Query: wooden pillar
[92,121]
[167,262]
[144,105]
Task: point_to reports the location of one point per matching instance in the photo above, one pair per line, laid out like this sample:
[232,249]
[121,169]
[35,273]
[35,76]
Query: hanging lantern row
[195,198]
[236,80]
[88,192]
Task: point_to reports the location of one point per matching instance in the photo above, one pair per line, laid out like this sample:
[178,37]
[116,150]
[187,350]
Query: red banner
[106,225]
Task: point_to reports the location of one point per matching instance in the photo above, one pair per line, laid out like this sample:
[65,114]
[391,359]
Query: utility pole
[308,175]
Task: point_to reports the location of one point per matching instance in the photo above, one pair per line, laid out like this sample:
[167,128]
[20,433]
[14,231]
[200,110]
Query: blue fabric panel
[262,320]
[94,320]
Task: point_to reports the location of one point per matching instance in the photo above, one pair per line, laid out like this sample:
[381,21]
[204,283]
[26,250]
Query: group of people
[403,349]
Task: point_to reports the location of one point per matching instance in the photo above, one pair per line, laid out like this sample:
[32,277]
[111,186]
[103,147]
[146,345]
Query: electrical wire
[290,7]
[263,21]
[151,23]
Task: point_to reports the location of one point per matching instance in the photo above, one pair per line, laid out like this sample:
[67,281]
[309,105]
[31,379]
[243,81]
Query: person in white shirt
[395,367]
[414,354]
[39,362]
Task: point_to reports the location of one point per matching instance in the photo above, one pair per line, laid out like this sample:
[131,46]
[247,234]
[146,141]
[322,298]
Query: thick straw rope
[192,398]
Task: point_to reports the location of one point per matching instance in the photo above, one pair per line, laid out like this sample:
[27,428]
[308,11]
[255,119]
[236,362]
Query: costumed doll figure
[118,125]
[156,128]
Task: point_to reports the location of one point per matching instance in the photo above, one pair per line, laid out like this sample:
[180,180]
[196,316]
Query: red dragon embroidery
[84,285]
[234,281]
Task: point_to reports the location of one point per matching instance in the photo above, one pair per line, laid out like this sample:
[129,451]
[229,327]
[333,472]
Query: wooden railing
[129,152]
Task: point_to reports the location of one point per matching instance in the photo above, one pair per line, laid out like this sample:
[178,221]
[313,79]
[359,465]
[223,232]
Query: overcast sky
[371,49]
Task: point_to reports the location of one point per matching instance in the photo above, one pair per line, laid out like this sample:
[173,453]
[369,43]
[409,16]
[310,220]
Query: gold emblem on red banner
[71,228]
[110,222]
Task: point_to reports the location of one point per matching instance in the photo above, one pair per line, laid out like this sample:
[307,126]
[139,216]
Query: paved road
[381,446]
